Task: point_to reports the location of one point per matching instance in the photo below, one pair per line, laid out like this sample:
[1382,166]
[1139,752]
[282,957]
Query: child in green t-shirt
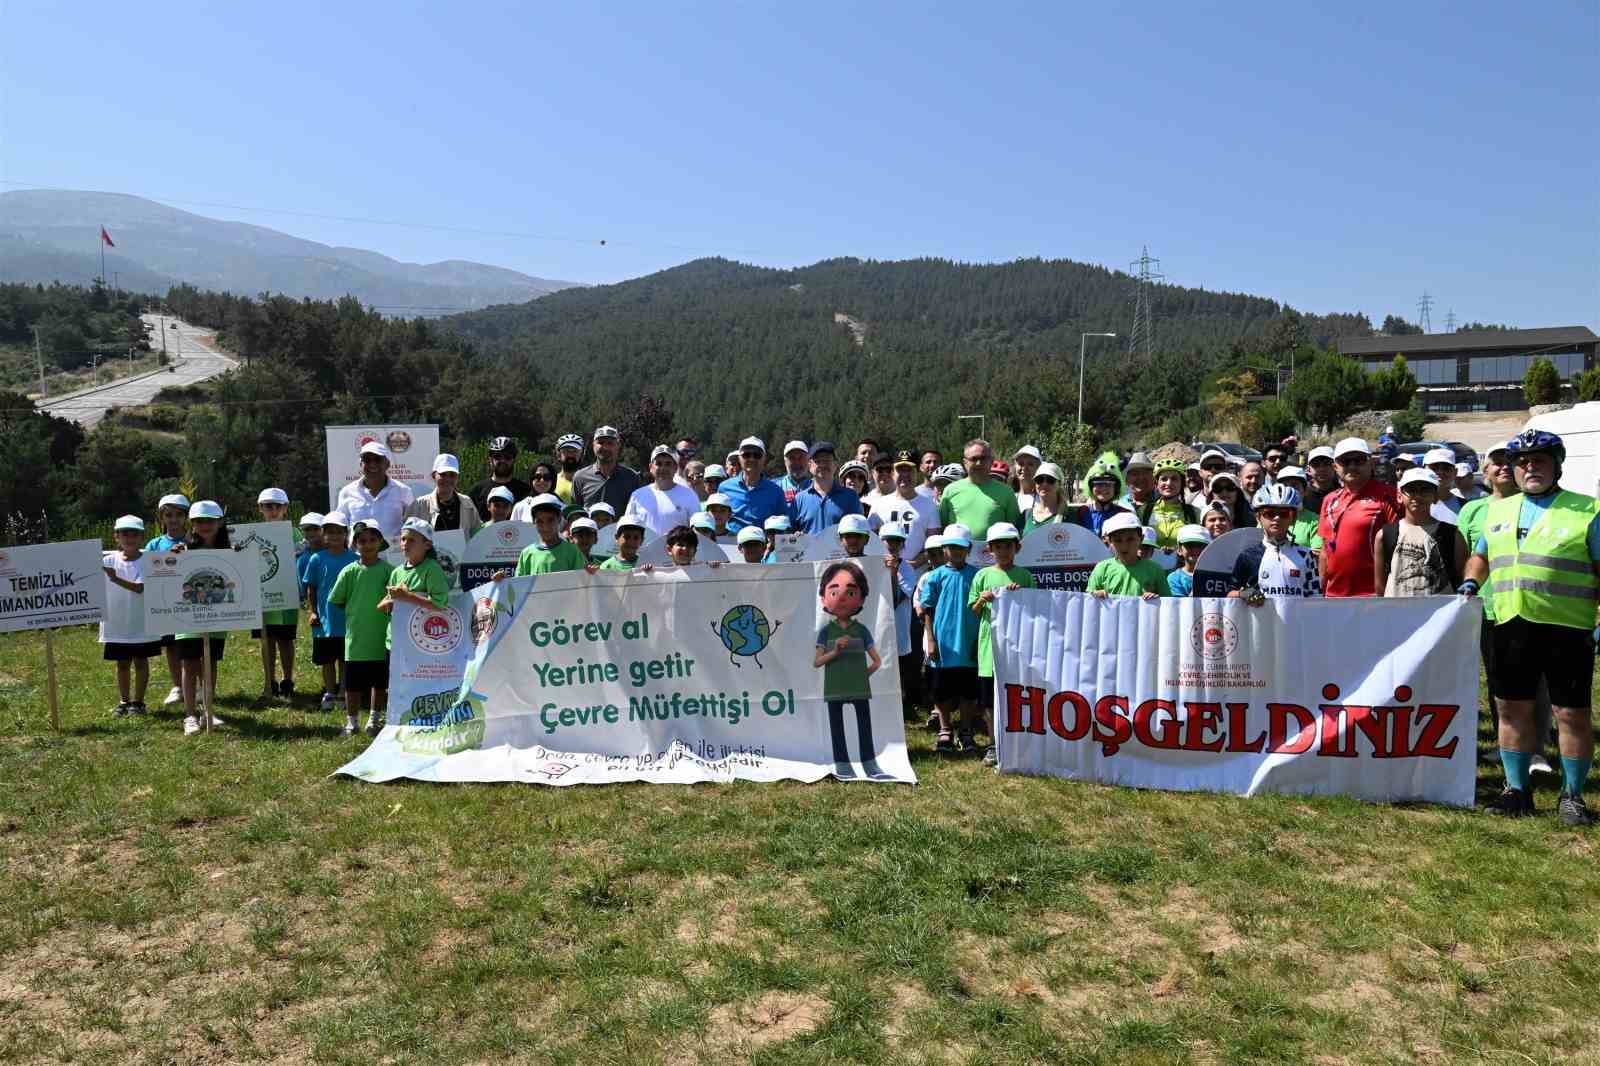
[848,659]
[1125,573]
[1004,574]
[278,628]
[359,589]
[630,534]
[549,554]
[420,579]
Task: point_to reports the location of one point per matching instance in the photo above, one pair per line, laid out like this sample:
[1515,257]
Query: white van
[1579,429]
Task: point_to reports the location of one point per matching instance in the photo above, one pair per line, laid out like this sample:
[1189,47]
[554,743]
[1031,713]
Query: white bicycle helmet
[1276,495]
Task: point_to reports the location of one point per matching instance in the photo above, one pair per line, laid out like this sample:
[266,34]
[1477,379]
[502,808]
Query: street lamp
[1082,342]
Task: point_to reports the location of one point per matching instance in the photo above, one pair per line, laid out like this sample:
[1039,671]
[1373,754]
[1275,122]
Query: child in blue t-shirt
[951,639]
[327,619]
[173,511]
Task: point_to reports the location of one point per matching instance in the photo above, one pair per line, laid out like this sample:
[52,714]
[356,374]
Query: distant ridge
[49,235]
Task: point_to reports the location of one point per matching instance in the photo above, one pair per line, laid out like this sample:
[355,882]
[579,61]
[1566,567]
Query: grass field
[221,899]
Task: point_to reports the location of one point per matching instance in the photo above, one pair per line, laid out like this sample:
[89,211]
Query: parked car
[1464,452]
[1240,453]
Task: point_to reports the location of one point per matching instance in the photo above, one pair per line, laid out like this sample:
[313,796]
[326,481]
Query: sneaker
[1573,811]
[945,744]
[990,758]
[1540,765]
[122,709]
[374,727]
[136,707]
[327,702]
[1512,803]
[351,726]
[174,696]
[966,742]
[191,726]
[286,688]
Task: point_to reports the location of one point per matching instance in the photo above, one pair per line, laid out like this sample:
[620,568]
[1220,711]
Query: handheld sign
[826,546]
[412,450]
[43,586]
[792,547]
[605,544]
[202,590]
[1213,572]
[494,547]
[1061,556]
[449,546]
[273,542]
[655,552]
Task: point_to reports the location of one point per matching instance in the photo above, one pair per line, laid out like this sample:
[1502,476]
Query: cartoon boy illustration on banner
[848,660]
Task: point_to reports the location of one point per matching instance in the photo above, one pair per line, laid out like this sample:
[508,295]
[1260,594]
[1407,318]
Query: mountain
[51,235]
[901,349]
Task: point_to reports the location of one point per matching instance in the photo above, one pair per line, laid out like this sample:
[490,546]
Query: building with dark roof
[1478,371]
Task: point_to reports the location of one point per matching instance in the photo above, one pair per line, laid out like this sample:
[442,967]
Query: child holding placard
[207,531]
[122,626]
[173,511]
[278,628]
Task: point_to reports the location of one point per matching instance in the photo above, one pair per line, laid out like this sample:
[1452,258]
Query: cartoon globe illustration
[745,632]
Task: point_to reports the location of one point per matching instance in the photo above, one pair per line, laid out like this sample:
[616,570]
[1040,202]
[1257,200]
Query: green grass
[221,899]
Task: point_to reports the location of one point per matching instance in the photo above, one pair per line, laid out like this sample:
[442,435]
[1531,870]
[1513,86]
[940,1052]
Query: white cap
[776,524]
[130,522]
[1216,453]
[205,509]
[445,463]
[661,449]
[583,523]
[1463,470]
[312,518]
[420,526]
[500,492]
[1119,522]
[752,535]
[1029,450]
[934,541]
[1222,475]
[702,520]
[607,433]
[602,507]
[717,499]
[336,518]
[273,496]
[630,521]
[1002,531]
[753,442]
[544,499]
[1049,470]
[174,499]
[1350,445]
[1292,472]
[373,447]
[1419,476]
[1150,537]
[959,531]
[1324,452]
[1192,534]
[854,523]
[1439,455]
[797,445]
[893,529]
[716,470]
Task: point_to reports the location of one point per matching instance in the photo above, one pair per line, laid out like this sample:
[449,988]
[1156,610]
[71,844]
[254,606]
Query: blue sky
[1338,159]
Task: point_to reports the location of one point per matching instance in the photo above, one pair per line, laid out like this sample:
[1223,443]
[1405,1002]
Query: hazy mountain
[51,235]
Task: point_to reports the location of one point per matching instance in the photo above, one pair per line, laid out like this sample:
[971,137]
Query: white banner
[675,676]
[46,586]
[1371,698]
[274,542]
[449,546]
[826,546]
[412,450]
[1061,555]
[495,546]
[201,591]
[654,553]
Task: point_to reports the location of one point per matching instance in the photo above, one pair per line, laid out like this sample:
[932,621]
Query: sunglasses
[1044,481]
[1322,462]
[541,475]
[371,459]
[751,455]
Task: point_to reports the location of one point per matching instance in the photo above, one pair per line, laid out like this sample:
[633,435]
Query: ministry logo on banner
[758,673]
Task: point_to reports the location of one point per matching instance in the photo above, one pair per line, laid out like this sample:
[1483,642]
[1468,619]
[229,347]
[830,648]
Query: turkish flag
[105,238]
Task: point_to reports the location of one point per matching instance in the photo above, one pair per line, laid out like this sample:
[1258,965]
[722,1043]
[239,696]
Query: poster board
[412,450]
[202,590]
[46,586]
[1061,555]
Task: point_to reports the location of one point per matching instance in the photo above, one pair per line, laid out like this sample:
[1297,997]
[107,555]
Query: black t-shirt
[448,515]
[520,490]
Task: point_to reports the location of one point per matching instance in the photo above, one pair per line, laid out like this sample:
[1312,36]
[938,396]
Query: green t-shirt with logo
[359,589]
[427,578]
[846,677]
[617,562]
[1116,578]
[992,577]
[561,556]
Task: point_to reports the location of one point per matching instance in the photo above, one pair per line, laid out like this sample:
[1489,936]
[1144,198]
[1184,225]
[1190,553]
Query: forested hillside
[733,348]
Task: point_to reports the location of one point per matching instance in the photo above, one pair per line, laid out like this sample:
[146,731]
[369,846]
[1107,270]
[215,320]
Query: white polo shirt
[660,511]
[387,508]
[919,513]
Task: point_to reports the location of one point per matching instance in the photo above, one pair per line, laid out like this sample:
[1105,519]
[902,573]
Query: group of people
[1346,523]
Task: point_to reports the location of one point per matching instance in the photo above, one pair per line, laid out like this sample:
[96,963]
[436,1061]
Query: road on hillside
[194,358]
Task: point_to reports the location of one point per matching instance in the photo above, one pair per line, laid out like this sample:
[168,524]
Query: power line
[1424,305]
[1142,337]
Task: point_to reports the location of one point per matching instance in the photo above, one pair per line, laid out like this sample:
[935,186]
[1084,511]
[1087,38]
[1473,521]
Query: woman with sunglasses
[1048,500]
[541,480]
[1224,489]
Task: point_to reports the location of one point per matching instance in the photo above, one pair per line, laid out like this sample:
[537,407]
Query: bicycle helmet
[569,440]
[1171,466]
[1532,441]
[949,472]
[502,444]
[1276,495]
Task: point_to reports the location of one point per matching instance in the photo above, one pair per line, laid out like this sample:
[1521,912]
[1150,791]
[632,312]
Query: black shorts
[278,631]
[327,650]
[1525,651]
[169,641]
[122,653]
[986,692]
[362,675]
[955,684]
[189,649]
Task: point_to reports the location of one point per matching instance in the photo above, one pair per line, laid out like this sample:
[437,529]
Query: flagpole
[102,255]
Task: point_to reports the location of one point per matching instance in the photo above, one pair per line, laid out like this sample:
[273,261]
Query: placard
[825,546]
[46,586]
[412,450]
[449,546]
[495,546]
[273,543]
[1061,555]
[202,590]
[1213,571]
